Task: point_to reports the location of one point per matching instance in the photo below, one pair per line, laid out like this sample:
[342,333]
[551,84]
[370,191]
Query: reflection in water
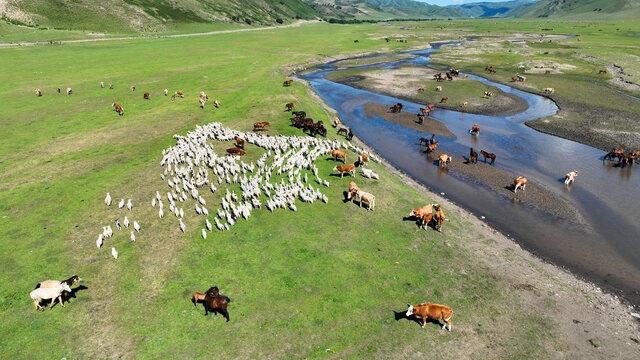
[604,247]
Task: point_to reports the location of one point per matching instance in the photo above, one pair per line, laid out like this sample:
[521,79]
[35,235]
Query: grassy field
[321,282]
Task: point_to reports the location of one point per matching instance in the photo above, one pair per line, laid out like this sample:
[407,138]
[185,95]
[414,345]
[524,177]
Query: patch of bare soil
[621,79]
[408,120]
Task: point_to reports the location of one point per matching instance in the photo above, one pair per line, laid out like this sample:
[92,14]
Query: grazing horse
[214,302]
[570,177]
[260,126]
[396,108]
[146,96]
[614,153]
[473,156]
[520,181]
[425,111]
[343,131]
[38,92]
[287,83]
[420,89]
[602,71]
[488,156]
[289,107]
[444,100]
[475,130]
[432,147]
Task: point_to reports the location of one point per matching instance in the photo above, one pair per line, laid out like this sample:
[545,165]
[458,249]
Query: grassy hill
[493,9]
[380,9]
[584,9]
[151,15]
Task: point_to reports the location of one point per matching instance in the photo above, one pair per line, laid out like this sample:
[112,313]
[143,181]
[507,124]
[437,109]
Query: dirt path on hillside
[32,43]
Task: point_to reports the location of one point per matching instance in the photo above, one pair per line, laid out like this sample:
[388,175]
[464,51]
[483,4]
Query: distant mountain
[149,15]
[584,8]
[493,9]
[380,9]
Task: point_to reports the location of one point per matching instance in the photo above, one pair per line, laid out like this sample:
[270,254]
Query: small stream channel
[605,248]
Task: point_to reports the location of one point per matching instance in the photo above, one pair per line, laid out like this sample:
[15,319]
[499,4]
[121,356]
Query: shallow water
[604,248]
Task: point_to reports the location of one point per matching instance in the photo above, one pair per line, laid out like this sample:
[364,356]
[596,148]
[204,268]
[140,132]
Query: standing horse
[473,156]
[216,303]
[488,156]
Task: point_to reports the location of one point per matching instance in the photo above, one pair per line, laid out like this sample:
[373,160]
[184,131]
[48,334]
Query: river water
[604,248]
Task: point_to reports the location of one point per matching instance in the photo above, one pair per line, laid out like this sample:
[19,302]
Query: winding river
[604,247]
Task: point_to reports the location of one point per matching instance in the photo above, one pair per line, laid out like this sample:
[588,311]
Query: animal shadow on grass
[399,315]
[418,222]
[65,298]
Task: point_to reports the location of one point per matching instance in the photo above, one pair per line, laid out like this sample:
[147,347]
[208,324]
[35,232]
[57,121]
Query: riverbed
[604,246]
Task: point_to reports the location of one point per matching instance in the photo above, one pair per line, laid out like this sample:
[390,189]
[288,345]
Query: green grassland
[320,282]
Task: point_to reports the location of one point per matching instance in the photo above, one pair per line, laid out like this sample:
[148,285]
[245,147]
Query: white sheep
[107,200]
[40,294]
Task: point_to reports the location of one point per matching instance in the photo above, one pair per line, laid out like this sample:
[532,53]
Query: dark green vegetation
[324,281]
[154,15]
[587,9]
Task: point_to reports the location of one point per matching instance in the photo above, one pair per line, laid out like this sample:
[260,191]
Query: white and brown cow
[431,312]
[346,169]
[521,181]
[570,177]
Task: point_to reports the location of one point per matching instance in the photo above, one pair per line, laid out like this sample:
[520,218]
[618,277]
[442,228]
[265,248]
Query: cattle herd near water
[192,166]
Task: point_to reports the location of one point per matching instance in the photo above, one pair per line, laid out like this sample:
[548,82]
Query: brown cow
[439,216]
[180,93]
[146,96]
[260,126]
[420,213]
[239,142]
[346,169]
[352,187]
[118,108]
[520,181]
[363,158]
[431,312]
[339,154]
[235,151]
[570,177]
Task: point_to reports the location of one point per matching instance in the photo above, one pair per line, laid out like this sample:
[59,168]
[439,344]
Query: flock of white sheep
[188,164]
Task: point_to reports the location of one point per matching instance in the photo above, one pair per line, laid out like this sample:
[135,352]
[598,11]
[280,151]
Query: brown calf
[239,142]
[440,217]
[198,296]
[521,181]
[260,126]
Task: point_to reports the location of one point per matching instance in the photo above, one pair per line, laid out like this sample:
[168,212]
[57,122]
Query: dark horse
[216,303]
[396,108]
[614,153]
[473,156]
[488,156]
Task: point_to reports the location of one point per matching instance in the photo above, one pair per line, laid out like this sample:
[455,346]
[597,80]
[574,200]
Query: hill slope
[584,8]
[149,15]
[380,9]
[493,9]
